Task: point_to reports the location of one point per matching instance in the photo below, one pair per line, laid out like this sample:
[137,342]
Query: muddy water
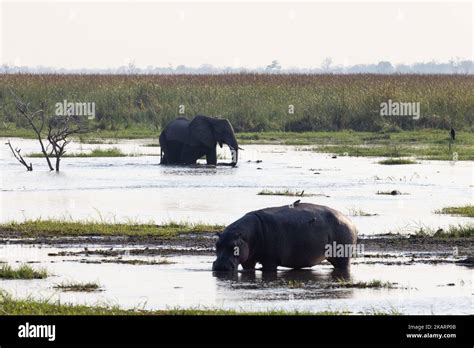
[138,189]
[421,288]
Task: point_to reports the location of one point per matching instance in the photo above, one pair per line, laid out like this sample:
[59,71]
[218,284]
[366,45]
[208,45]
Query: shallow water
[138,189]
[421,288]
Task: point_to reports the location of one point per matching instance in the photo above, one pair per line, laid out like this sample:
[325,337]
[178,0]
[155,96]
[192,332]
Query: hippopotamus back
[296,236]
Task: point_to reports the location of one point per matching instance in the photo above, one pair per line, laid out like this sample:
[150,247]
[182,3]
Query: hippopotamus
[295,236]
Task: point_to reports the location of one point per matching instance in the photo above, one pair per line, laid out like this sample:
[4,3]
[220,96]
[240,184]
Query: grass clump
[360,212]
[22,272]
[57,228]
[459,231]
[390,193]
[397,161]
[289,193]
[136,262]
[466,210]
[78,286]
[372,284]
[113,152]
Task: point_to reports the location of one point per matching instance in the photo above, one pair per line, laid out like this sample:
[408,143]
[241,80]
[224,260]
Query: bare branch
[16,153]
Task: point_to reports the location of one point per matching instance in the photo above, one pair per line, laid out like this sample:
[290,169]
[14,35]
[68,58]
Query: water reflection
[304,276]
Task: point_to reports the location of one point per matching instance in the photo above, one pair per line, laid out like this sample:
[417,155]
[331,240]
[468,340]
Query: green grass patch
[290,193]
[467,210]
[78,286]
[397,161]
[30,306]
[22,272]
[113,152]
[453,231]
[52,228]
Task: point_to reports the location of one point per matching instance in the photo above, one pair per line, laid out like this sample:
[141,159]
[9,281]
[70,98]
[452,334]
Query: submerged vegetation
[78,286]
[51,228]
[359,212]
[22,272]
[467,210]
[396,161]
[373,284]
[290,193]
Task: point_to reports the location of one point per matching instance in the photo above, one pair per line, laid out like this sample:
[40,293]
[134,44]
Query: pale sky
[238,34]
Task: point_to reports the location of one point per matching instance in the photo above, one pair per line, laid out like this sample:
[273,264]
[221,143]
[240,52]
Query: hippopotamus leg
[269,265]
[249,264]
[340,262]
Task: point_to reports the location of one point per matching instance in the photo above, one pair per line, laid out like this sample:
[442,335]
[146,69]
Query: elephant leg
[211,157]
[189,155]
[172,153]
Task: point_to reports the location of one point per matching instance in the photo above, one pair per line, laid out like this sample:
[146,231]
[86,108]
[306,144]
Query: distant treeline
[252,102]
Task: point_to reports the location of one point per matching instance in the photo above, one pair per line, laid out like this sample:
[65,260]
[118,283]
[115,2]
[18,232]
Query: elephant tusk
[240,148]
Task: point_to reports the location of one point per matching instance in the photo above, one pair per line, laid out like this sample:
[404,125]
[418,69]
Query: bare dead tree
[59,129]
[36,120]
[16,153]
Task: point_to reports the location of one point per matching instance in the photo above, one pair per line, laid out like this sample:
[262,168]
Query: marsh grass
[466,210]
[78,286]
[51,228]
[22,272]
[128,105]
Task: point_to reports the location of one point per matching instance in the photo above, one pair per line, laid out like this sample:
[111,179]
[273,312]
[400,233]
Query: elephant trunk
[234,149]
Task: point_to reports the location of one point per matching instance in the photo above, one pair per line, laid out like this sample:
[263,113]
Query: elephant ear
[201,131]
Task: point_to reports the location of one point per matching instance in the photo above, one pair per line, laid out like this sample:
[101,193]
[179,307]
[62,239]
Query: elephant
[298,235]
[183,141]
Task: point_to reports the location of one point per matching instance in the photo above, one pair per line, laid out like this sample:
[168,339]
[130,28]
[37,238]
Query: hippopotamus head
[231,249]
